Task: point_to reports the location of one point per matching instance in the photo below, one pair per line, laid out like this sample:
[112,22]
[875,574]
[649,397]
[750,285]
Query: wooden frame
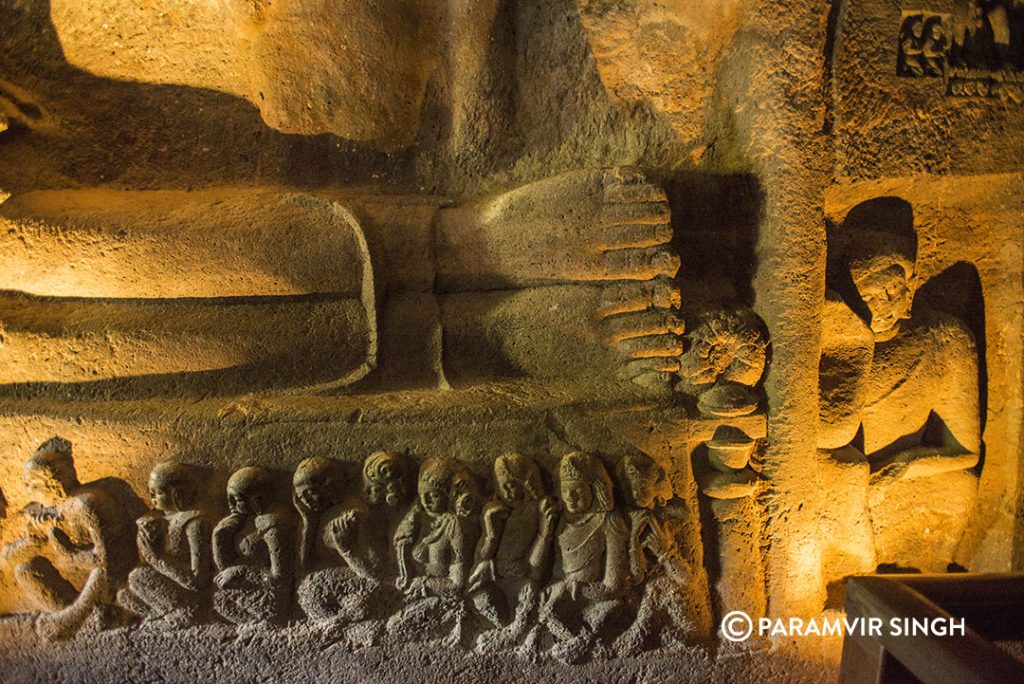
[992,607]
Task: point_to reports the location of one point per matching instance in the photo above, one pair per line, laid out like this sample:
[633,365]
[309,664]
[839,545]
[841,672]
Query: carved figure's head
[584,485]
[317,484]
[384,478]
[249,491]
[434,483]
[643,482]
[518,479]
[726,345]
[917,27]
[882,267]
[171,487]
[50,471]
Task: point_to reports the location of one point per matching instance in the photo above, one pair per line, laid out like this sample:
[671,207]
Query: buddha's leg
[586,252]
[44,584]
[107,284]
[73,341]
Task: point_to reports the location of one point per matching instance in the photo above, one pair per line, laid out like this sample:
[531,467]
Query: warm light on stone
[464,339]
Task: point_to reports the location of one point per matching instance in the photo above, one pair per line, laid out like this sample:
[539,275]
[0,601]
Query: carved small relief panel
[978,50]
[923,45]
[598,569]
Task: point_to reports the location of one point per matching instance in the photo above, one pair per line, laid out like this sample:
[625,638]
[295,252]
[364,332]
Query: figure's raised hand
[482,574]
[548,515]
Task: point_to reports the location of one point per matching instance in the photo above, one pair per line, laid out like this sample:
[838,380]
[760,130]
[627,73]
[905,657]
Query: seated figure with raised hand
[656,564]
[514,555]
[254,550]
[900,387]
[78,544]
[331,533]
[434,546]
[590,569]
[174,544]
[923,370]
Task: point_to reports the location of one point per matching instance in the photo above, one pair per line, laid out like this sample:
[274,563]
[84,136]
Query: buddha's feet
[608,229]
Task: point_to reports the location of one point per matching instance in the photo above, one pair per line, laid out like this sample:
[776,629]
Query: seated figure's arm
[95,553]
[462,555]
[540,553]
[615,564]
[668,552]
[198,534]
[193,574]
[493,528]
[343,535]
[34,523]
[922,461]
[955,442]
[224,539]
[494,517]
[404,536]
[279,539]
[20,549]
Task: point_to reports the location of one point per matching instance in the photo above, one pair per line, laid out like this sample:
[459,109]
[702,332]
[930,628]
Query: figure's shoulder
[276,519]
[89,498]
[114,491]
[195,516]
[615,524]
[409,521]
[943,329]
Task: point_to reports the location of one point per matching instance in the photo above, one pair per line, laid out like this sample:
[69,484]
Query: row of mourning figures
[573,576]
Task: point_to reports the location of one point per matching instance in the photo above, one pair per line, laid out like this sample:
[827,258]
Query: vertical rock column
[774,85]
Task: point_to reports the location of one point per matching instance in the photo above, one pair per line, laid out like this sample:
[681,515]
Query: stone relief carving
[514,557]
[591,564]
[331,532]
[923,45]
[656,566]
[575,577]
[504,280]
[253,547]
[434,545]
[903,389]
[174,545]
[78,544]
[726,476]
[978,50]
[725,362]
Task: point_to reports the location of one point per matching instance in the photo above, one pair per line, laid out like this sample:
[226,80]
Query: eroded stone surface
[415,373]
